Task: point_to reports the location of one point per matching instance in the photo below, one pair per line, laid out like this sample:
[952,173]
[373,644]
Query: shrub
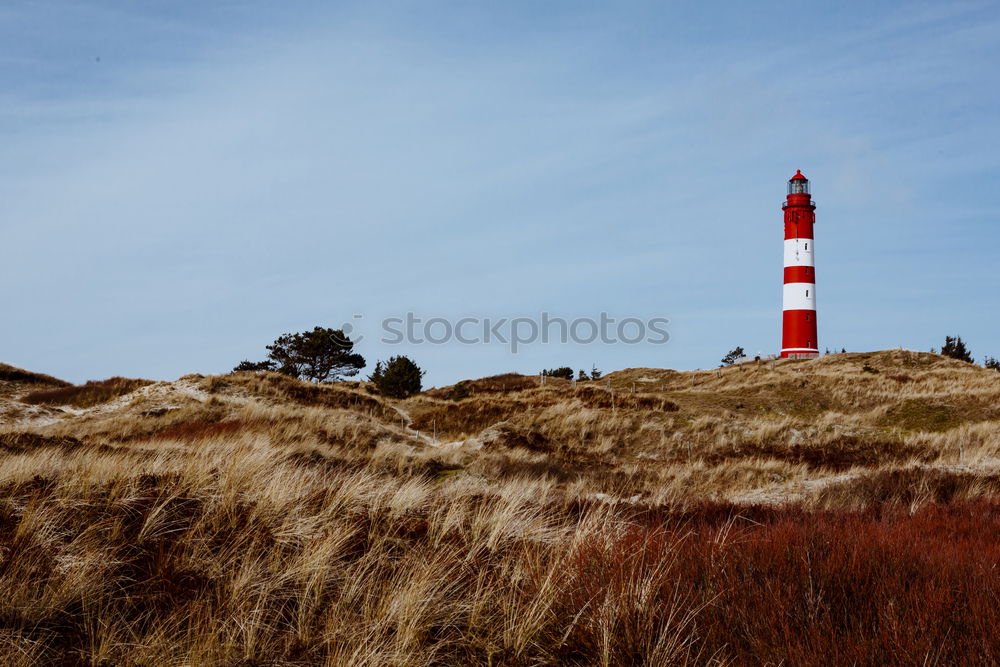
[459,391]
[732,356]
[564,372]
[956,349]
[399,377]
[254,366]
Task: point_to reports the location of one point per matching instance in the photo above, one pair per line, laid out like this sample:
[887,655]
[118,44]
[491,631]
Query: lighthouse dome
[798,184]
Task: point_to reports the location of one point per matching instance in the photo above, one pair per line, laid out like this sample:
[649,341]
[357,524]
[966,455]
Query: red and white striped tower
[798,322]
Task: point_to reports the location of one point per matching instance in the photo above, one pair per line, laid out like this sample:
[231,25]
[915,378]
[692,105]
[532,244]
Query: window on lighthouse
[807,292]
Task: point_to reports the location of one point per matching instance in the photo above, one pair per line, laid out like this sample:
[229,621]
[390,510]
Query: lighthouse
[798,317]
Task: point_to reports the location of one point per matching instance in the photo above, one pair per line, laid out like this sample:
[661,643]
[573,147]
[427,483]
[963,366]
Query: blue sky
[182,182]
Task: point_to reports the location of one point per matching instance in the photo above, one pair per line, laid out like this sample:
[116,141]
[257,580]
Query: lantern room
[798,184]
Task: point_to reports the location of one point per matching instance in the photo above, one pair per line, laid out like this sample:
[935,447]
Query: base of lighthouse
[798,334]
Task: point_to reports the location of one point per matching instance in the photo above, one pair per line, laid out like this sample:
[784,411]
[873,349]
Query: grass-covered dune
[841,510]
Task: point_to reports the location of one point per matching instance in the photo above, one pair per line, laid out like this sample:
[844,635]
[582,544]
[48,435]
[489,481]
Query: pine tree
[320,355]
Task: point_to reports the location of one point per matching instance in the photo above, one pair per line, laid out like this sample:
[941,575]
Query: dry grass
[908,487]
[19,375]
[496,384]
[805,513]
[86,395]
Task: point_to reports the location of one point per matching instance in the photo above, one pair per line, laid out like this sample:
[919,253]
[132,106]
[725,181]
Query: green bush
[399,377]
